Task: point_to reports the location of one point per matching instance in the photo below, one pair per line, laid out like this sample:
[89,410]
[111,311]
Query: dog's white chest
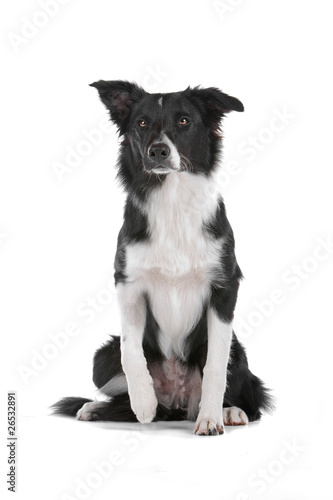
[175,267]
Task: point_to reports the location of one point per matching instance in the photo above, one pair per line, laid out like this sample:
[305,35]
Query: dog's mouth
[162,169]
[159,169]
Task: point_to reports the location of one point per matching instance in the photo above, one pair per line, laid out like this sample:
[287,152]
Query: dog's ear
[119,97]
[213,104]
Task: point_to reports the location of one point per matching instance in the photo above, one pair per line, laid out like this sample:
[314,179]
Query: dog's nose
[159,151]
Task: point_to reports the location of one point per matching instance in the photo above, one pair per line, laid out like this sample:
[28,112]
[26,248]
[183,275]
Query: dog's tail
[69,406]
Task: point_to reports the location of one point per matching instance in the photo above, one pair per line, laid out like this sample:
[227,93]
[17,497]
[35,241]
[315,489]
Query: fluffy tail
[259,398]
[69,406]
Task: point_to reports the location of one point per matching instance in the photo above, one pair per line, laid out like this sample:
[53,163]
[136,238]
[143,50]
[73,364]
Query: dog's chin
[161,170]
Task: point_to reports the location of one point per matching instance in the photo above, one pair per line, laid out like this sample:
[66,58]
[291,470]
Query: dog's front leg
[210,417]
[132,306]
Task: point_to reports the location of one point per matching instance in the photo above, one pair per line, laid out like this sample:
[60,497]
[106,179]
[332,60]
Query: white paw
[88,410]
[144,403]
[234,416]
[211,425]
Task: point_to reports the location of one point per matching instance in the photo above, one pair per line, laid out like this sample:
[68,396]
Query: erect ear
[119,97]
[213,104]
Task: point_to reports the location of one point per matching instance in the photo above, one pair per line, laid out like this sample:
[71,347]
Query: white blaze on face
[160,101]
[174,155]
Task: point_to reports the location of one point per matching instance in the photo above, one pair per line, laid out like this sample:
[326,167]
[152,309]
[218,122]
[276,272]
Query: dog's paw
[234,416]
[89,411]
[145,409]
[144,403]
[208,426]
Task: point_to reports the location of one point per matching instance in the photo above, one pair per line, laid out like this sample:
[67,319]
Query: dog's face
[165,130]
[168,132]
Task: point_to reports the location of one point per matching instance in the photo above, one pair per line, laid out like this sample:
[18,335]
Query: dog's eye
[142,124]
[183,121]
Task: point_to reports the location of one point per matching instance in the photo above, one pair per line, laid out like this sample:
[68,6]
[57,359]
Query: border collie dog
[176,273]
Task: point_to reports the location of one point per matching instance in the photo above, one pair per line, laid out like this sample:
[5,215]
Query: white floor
[278,458]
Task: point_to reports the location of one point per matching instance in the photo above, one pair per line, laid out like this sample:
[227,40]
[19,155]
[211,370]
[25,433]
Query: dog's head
[168,132]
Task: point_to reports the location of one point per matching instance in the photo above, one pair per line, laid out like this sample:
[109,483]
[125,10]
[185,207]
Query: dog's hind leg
[118,409]
[108,378]
[108,375]
[234,416]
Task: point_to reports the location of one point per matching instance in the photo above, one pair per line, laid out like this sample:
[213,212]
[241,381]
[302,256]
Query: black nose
[159,151]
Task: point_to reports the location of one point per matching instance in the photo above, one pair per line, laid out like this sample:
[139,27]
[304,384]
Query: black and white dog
[176,272]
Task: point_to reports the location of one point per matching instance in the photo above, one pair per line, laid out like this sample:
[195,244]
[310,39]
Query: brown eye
[183,121]
[142,124]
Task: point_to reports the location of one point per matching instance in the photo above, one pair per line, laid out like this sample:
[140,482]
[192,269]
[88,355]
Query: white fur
[234,416]
[116,385]
[160,101]
[176,266]
[215,375]
[174,155]
[140,384]
[87,410]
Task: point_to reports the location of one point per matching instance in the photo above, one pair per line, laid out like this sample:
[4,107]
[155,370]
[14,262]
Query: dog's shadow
[184,428]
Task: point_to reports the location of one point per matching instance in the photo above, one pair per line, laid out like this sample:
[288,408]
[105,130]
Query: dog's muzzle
[159,158]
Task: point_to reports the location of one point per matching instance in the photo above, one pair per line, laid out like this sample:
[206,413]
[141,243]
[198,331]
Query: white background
[58,238]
